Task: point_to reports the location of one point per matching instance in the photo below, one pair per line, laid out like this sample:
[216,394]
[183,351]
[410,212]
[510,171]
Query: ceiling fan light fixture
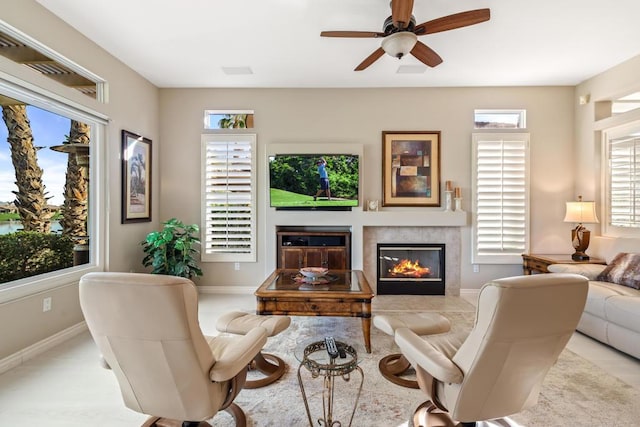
[399,44]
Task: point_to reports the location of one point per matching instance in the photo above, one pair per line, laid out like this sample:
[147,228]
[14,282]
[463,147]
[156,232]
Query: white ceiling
[185,43]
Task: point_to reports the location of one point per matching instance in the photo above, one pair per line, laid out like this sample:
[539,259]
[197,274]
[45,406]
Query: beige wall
[358,116]
[133,105]
[614,83]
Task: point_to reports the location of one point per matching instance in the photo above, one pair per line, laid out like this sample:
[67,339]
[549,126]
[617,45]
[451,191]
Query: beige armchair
[146,327]
[522,325]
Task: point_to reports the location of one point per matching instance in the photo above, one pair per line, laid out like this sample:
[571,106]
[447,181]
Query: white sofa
[612,311]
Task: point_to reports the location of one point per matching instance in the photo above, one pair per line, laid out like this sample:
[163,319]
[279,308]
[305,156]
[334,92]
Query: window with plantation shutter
[622,189]
[228,197]
[501,197]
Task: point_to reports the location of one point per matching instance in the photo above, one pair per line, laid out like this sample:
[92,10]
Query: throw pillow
[624,270]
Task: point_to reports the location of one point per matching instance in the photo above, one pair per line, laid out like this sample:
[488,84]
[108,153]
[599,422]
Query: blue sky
[48,129]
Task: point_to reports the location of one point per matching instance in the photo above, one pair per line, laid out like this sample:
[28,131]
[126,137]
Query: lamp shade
[399,44]
[582,212]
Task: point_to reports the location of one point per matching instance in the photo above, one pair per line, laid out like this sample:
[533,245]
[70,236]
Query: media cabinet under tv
[329,249]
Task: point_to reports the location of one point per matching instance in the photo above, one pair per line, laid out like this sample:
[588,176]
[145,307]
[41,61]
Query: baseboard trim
[238,290]
[18,358]
[469,291]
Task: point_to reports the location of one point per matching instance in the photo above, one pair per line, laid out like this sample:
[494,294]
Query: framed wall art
[136,178]
[411,168]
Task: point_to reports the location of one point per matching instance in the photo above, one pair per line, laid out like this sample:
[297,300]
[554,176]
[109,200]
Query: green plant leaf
[170,250]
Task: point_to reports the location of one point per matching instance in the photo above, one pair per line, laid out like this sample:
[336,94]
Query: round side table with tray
[315,358]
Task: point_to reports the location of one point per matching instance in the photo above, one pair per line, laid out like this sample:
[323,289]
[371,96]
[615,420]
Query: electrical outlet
[46,304]
[236,266]
[476,268]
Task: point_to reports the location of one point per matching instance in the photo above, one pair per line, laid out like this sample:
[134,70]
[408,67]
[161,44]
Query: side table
[314,357]
[540,262]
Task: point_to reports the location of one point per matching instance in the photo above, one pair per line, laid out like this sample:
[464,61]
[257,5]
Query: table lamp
[580,212]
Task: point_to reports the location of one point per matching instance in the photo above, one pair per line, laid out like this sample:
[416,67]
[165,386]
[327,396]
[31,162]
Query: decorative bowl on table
[313,273]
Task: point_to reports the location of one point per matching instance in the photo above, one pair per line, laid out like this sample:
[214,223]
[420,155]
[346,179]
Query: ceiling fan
[400,33]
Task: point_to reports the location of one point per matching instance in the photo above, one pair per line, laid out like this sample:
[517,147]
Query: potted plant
[171,251]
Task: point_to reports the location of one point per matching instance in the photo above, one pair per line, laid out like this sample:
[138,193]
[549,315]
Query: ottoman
[393,366]
[240,323]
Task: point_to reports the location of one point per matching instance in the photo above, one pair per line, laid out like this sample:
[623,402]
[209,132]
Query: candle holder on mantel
[458,198]
[447,200]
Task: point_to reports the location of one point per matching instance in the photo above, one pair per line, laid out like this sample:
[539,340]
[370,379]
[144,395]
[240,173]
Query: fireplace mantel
[414,218]
[383,218]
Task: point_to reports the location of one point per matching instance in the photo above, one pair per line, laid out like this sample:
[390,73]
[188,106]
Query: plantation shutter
[624,181]
[501,203]
[228,197]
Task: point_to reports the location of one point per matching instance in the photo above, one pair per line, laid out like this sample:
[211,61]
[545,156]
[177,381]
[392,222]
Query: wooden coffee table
[346,293]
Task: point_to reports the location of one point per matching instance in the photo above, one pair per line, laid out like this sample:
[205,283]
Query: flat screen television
[295,181]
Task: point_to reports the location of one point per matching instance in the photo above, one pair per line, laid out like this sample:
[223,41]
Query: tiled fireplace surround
[450,236]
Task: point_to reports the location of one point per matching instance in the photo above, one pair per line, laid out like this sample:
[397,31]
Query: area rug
[575,392]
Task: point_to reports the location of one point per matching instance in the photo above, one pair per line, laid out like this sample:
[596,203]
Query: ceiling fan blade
[426,55]
[370,59]
[401,13]
[451,22]
[357,34]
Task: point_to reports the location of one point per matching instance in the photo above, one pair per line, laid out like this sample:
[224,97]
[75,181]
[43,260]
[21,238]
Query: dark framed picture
[411,168]
[136,178]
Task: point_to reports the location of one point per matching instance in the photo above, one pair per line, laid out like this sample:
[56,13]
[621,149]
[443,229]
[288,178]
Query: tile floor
[63,388]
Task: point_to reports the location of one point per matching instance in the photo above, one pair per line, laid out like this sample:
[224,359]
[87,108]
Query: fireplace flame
[408,268]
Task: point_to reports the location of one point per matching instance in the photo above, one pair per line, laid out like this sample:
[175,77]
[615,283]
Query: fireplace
[411,269]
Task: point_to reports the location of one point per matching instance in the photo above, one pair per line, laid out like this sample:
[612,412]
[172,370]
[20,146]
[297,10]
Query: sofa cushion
[597,297]
[594,326]
[623,311]
[623,270]
[614,290]
[601,292]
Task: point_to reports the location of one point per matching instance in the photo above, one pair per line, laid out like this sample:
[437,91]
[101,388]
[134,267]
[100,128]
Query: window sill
[33,285]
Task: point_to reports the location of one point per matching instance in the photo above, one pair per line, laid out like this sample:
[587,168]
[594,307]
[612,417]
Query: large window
[501,202]
[622,179]
[48,197]
[228,197]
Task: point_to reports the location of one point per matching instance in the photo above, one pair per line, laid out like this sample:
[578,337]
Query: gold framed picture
[411,168]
